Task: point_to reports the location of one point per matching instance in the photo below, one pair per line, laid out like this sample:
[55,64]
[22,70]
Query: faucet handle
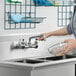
[23,42]
[36,41]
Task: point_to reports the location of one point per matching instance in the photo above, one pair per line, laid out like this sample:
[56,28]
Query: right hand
[43,37]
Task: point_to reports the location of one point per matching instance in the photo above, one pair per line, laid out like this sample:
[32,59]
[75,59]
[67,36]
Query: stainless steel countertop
[16,65]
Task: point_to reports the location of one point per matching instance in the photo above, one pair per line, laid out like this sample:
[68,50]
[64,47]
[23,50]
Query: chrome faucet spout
[35,37]
[22,44]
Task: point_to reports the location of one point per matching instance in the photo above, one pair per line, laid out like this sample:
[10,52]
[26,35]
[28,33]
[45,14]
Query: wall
[7,36]
[46,25]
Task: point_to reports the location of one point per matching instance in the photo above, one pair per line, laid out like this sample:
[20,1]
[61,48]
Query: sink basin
[29,61]
[42,60]
[59,57]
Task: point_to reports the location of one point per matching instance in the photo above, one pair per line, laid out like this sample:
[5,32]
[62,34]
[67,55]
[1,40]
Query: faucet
[36,37]
[22,44]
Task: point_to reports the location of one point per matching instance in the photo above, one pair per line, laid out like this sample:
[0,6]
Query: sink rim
[29,61]
[54,58]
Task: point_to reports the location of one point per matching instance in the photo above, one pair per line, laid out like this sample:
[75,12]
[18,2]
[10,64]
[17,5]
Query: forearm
[62,31]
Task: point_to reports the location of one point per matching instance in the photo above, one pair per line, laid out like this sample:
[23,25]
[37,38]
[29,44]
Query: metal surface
[55,58]
[43,59]
[22,44]
[30,61]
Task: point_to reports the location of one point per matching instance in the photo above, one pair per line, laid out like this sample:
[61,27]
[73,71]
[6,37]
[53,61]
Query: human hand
[71,44]
[43,36]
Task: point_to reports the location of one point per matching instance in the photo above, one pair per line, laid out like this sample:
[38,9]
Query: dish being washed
[54,49]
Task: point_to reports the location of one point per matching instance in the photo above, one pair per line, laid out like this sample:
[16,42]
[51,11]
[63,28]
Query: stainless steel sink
[30,61]
[42,60]
[58,57]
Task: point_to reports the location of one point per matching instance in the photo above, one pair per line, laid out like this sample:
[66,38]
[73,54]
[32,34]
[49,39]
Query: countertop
[16,65]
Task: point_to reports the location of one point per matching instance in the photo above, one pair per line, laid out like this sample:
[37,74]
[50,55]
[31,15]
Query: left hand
[71,44]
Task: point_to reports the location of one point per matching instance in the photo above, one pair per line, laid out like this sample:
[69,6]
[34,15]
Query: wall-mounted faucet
[22,44]
[34,37]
